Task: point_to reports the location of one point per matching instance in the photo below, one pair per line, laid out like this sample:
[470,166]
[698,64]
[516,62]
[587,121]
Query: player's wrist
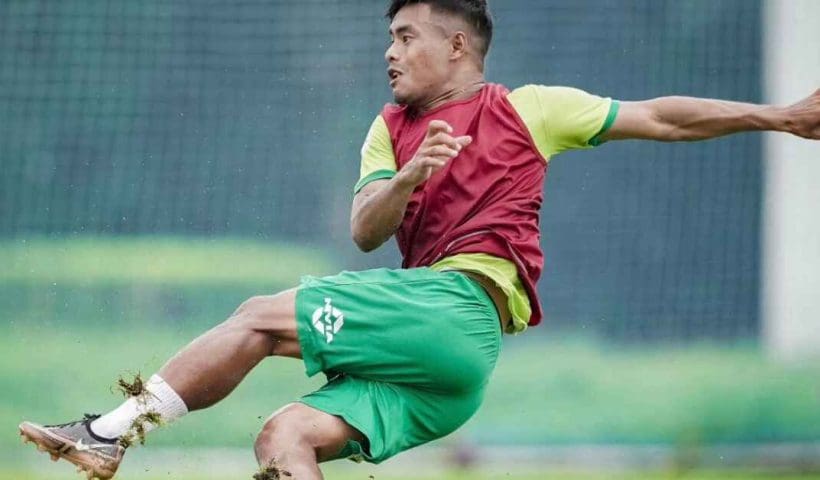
[789,119]
[763,118]
[780,119]
[405,181]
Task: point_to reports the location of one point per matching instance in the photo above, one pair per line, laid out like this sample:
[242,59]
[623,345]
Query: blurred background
[162,161]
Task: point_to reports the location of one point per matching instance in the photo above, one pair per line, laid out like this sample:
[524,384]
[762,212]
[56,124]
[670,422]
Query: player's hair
[475,12]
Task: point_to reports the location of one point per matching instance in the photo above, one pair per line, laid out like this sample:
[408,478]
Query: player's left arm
[689,119]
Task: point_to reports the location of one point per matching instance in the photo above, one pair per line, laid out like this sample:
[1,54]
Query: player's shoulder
[531,91]
[393,114]
[377,135]
[393,108]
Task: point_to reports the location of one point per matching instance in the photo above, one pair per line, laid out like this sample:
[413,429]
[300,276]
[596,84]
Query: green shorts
[408,353]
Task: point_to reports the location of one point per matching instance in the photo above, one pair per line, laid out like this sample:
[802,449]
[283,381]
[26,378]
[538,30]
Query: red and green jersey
[481,212]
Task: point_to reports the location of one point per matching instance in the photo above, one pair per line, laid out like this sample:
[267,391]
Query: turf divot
[272,472]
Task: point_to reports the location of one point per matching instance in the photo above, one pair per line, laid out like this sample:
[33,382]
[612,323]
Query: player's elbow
[677,133]
[667,124]
[363,238]
[365,244]
[673,133]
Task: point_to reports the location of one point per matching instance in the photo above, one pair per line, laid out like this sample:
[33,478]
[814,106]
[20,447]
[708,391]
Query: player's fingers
[464,140]
[433,161]
[444,139]
[436,126]
[441,151]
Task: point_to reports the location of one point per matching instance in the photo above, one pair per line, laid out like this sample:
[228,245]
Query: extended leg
[210,367]
[201,374]
[297,438]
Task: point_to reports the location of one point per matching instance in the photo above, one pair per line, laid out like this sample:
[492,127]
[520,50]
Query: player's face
[418,63]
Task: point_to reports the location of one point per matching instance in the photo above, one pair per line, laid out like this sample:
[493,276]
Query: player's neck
[459,91]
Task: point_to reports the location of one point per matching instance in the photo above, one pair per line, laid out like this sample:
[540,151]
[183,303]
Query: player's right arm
[689,119]
[561,118]
[382,193]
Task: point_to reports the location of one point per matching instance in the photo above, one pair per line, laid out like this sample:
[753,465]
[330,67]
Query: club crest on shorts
[328,320]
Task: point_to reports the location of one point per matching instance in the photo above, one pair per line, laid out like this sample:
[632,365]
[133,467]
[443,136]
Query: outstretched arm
[688,119]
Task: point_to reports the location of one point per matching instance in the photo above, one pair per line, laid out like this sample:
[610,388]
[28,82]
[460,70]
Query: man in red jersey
[455,172]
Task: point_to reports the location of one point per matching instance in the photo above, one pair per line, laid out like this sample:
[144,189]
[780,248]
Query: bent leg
[210,367]
[298,437]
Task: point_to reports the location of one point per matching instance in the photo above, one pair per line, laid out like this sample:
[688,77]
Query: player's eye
[405,38]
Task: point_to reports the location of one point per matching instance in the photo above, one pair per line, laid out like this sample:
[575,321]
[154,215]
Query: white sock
[158,397]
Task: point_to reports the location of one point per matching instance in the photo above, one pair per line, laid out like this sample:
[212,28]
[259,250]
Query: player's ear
[458,45]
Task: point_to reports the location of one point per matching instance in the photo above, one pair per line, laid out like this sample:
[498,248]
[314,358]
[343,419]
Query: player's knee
[254,306]
[250,312]
[268,318]
[282,433]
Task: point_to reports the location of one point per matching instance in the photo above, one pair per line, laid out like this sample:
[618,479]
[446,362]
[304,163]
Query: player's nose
[390,54]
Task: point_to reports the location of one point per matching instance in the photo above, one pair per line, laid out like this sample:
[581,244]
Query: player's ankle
[155,404]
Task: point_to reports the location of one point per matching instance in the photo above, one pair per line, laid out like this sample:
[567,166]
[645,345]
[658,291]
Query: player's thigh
[327,434]
[274,315]
[418,327]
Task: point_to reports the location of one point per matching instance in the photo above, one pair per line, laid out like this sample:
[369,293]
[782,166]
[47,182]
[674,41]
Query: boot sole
[94,465]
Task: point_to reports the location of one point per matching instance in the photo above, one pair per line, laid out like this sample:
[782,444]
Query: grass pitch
[579,392]
[167,261]
[81,312]
[465,475]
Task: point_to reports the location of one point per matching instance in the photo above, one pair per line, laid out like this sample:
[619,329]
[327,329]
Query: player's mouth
[393,74]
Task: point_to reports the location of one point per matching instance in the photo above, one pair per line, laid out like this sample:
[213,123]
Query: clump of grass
[134,388]
[136,432]
[272,472]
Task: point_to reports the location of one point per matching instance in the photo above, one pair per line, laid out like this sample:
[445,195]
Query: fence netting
[245,118]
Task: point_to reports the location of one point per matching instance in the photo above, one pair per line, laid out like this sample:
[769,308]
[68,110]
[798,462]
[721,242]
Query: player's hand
[437,148]
[804,117]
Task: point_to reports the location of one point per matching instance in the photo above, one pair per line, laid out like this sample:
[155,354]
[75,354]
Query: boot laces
[87,418]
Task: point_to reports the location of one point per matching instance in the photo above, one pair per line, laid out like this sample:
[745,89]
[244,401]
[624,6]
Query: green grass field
[82,312]
[578,393]
[144,465]
[469,475]
[90,261]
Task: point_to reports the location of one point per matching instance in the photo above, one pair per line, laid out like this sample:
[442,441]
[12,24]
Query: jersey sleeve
[378,160]
[563,118]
